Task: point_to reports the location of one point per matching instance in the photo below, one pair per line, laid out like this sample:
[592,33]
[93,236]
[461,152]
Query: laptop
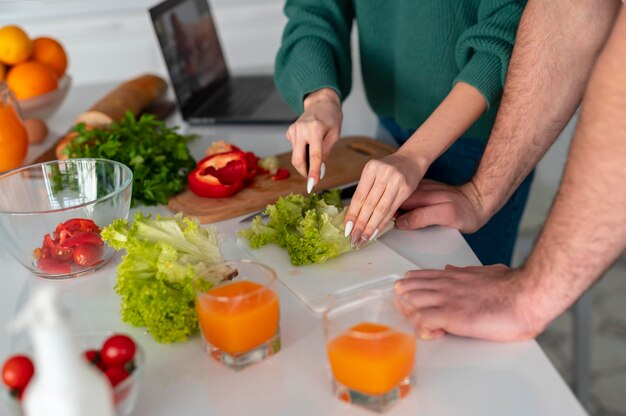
[205,91]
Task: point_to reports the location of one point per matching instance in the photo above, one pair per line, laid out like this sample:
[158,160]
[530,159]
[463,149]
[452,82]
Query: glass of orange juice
[371,349]
[239,317]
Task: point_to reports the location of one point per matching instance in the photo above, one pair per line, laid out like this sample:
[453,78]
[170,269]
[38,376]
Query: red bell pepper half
[220,175]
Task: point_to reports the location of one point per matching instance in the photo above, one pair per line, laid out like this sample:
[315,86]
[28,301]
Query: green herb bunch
[157,154]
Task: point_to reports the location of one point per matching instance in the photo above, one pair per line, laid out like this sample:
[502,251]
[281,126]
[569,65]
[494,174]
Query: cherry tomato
[78,224]
[87,254]
[116,374]
[17,372]
[118,350]
[93,356]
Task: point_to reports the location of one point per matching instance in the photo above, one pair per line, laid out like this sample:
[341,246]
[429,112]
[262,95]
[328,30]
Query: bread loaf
[133,95]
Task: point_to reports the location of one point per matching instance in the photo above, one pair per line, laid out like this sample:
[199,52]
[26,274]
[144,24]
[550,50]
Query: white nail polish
[374,234]
[322,171]
[348,230]
[309,185]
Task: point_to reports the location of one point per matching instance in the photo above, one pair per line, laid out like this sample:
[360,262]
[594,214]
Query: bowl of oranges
[34,70]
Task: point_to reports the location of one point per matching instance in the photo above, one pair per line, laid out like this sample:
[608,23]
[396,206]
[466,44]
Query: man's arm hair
[557,43]
[586,229]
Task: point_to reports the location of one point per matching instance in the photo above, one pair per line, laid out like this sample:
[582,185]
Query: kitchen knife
[345,193]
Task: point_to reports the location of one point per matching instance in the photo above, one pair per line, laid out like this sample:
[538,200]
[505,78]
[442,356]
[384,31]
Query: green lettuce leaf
[310,228]
[165,257]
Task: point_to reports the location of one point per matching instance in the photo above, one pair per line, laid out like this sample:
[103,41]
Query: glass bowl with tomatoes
[116,355]
[51,214]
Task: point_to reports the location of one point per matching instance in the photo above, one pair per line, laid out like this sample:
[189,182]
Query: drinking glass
[239,317]
[371,349]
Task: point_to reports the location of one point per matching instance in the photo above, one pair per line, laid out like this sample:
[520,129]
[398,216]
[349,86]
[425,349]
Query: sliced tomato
[83,238]
[78,224]
[53,266]
[87,254]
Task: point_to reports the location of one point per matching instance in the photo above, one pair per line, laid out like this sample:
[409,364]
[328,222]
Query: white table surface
[455,376]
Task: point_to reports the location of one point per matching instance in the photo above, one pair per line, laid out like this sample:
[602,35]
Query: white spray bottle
[64,384]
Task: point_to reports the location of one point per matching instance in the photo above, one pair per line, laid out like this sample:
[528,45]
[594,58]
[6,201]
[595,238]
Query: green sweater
[412,52]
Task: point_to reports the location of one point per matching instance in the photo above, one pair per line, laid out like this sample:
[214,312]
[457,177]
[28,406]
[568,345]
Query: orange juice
[372,358]
[239,316]
[13,137]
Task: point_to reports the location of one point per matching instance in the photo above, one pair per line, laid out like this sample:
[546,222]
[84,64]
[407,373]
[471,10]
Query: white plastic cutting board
[316,284]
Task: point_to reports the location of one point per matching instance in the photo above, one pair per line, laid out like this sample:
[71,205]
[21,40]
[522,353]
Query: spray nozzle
[41,310]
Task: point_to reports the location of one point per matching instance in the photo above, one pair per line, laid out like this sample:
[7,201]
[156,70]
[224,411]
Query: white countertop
[455,376]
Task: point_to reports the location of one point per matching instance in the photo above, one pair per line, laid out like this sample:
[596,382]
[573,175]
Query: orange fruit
[3,72]
[50,52]
[15,45]
[30,79]
[13,138]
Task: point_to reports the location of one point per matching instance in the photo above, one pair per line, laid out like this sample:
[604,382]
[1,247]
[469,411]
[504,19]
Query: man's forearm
[586,229]
[557,43]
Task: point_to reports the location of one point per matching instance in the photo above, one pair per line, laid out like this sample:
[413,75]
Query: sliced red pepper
[219,176]
[281,174]
[53,266]
[82,237]
[252,161]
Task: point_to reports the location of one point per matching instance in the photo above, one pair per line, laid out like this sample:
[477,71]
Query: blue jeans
[495,241]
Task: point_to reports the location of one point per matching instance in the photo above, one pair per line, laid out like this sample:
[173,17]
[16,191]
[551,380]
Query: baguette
[133,95]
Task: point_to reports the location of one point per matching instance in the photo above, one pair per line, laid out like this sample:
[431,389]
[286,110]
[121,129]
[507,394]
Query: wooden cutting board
[343,166]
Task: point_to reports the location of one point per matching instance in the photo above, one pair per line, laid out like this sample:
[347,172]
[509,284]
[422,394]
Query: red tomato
[17,372]
[83,237]
[53,266]
[118,350]
[87,254]
[78,224]
[61,253]
[93,356]
[116,375]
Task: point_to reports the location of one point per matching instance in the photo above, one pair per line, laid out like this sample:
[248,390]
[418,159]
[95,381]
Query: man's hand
[318,127]
[488,302]
[435,203]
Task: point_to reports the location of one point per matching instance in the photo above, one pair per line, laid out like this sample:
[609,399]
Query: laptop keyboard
[241,97]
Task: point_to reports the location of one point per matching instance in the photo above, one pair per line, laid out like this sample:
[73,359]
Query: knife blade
[345,193]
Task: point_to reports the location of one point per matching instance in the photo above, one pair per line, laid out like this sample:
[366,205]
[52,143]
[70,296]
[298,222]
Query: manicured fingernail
[362,241]
[425,334]
[356,236]
[374,234]
[348,230]
[322,171]
[309,185]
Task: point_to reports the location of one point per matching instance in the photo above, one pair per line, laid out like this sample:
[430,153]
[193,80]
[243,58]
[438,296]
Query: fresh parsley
[157,154]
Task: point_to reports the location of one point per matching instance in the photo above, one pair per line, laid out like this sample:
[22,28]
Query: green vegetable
[157,154]
[164,258]
[270,163]
[310,228]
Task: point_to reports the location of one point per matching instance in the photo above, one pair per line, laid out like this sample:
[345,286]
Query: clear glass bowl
[45,105]
[35,199]
[124,394]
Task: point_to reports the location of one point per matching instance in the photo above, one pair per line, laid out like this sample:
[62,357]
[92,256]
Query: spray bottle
[64,383]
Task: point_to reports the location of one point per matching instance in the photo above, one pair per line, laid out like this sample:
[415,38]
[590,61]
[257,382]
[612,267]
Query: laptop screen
[190,46]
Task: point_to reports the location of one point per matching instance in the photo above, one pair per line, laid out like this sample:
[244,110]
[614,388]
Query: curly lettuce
[165,257]
[309,227]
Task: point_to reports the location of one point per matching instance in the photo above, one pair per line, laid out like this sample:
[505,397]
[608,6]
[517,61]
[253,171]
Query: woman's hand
[318,127]
[385,184]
